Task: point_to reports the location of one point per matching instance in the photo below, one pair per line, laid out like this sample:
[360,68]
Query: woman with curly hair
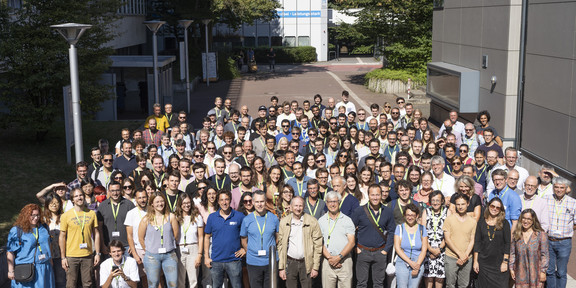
[29,242]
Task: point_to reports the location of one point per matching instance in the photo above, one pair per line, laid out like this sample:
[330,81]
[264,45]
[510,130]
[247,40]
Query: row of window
[129,7]
[289,41]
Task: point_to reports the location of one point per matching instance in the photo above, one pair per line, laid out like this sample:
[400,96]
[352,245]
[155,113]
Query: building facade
[521,55]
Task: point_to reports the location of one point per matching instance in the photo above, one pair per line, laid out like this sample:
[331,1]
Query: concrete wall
[467,29]
[549,118]
[130,31]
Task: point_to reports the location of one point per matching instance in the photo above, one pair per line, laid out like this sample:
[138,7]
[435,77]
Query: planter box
[387,86]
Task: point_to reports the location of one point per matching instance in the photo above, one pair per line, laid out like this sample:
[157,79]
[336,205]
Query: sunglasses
[203,187]
[492,206]
[247,201]
[456,163]
[226,153]
[463,151]
[342,156]
[320,161]
[387,106]
[395,113]
[400,102]
[285,126]
[127,187]
[312,134]
[108,160]
[198,156]
[295,133]
[333,123]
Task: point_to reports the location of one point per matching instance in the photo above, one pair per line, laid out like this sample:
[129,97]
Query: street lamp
[206,22]
[72,32]
[186,24]
[154,26]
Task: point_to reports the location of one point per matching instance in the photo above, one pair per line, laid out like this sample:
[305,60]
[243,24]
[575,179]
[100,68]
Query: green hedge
[418,78]
[302,54]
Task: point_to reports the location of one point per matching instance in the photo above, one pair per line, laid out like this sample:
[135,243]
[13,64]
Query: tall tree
[404,27]
[34,58]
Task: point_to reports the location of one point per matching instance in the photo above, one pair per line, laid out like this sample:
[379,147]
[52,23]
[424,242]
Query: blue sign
[299,14]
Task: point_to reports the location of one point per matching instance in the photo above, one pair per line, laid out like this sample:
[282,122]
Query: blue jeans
[154,263]
[404,278]
[233,270]
[558,264]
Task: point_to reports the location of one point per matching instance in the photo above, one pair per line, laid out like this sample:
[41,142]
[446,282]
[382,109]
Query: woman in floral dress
[434,219]
[529,252]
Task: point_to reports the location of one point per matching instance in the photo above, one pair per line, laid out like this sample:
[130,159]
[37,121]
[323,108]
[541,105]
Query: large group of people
[341,196]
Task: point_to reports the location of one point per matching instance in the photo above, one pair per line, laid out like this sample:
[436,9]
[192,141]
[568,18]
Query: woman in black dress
[492,246]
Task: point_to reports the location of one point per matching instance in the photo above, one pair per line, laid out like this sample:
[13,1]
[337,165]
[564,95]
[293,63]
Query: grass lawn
[31,165]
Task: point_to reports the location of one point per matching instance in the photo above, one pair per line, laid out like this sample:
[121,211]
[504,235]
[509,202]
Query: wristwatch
[340,255]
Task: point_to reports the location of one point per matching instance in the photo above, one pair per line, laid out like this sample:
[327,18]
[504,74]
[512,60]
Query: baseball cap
[262,108]
[211,112]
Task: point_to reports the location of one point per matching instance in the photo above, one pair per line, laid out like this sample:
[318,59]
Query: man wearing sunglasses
[285,130]
[246,185]
[510,200]
[103,175]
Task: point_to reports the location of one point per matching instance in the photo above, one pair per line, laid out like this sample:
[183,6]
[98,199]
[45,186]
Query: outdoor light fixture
[154,26]
[186,24]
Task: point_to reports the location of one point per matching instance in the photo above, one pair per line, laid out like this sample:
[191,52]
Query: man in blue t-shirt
[224,228]
[259,232]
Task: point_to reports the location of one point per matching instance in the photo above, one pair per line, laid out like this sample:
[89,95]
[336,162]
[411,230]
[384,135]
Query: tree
[34,59]
[404,26]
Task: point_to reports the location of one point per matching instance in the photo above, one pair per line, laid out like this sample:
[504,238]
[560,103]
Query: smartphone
[114,268]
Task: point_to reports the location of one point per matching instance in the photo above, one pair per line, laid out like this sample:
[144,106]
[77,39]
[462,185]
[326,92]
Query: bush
[363,50]
[302,54]
[418,78]
[227,68]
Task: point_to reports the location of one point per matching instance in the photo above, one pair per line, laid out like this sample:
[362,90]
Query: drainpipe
[521,73]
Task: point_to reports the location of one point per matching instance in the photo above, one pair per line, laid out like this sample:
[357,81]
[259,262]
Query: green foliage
[403,27]
[418,78]
[227,68]
[301,54]
[362,50]
[35,58]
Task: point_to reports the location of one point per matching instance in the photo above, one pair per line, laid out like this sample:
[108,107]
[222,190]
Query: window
[16,4]
[249,41]
[263,41]
[303,40]
[290,41]
[438,4]
[276,41]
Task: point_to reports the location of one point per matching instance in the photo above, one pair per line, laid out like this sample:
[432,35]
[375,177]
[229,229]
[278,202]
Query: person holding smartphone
[118,271]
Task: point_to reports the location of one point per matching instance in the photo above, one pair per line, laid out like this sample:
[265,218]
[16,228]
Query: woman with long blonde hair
[158,232]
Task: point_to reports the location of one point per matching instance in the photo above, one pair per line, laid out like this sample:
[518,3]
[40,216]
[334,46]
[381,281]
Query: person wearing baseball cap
[262,111]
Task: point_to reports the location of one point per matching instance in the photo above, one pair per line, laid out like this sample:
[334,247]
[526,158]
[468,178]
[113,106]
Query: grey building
[482,49]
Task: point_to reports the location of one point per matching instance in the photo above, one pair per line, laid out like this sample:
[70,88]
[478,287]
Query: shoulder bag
[24,273]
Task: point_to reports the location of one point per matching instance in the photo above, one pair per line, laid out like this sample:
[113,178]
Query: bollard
[273,264]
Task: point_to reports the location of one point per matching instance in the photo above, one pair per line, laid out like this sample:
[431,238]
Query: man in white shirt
[442,181]
[118,271]
[531,200]
[457,126]
[350,107]
[132,223]
[511,156]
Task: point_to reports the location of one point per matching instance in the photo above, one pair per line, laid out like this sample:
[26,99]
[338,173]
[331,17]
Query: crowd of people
[343,196]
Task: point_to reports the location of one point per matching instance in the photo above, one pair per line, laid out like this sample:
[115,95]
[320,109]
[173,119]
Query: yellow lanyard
[186,229]
[270,158]
[161,227]
[400,206]
[524,201]
[558,211]
[376,219]
[313,213]
[261,230]
[172,207]
[151,135]
[441,183]
[115,214]
[300,187]
[435,221]
[332,229]
[543,192]
[83,223]
[158,183]
[340,206]
[480,174]
[219,187]
[36,235]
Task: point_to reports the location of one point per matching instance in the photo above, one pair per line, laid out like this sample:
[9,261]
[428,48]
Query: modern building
[516,59]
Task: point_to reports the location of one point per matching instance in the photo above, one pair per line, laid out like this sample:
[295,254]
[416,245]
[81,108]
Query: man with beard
[458,128]
[300,180]
[132,224]
[111,216]
[162,122]
[246,186]
[152,136]
[316,117]
[220,179]
[546,175]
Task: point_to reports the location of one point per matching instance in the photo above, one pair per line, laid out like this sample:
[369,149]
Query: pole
[155,56]
[76,111]
[187,69]
[207,75]
[273,266]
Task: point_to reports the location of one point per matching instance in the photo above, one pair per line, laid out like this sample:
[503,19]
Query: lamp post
[72,32]
[206,22]
[154,26]
[186,24]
